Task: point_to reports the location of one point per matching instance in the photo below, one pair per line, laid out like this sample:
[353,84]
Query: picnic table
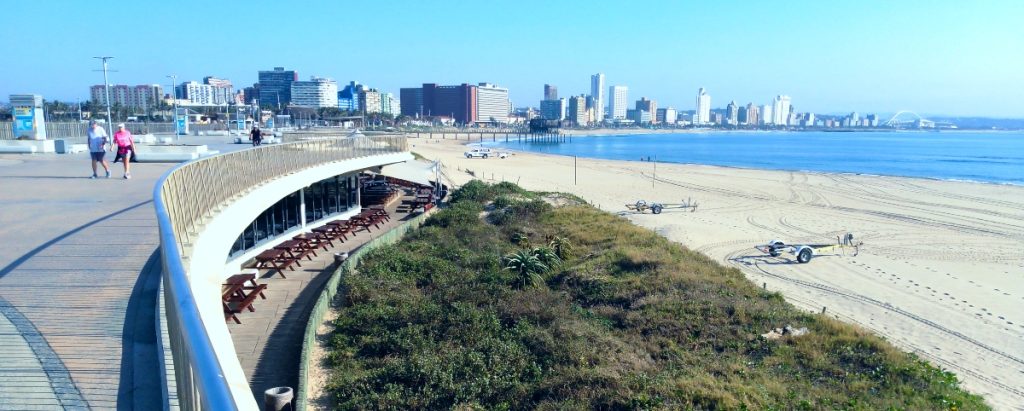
[233,292]
[276,259]
[324,234]
[342,228]
[313,241]
[297,249]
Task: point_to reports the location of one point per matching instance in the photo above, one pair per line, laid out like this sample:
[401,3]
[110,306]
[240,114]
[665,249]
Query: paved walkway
[269,341]
[78,277]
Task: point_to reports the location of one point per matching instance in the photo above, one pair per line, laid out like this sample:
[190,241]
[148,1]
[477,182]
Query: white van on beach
[484,153]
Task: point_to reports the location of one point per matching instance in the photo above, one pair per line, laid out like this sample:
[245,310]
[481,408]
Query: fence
[323,303]
[189,194]
[75,132]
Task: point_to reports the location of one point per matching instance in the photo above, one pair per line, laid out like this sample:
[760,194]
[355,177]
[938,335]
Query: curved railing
[184,198]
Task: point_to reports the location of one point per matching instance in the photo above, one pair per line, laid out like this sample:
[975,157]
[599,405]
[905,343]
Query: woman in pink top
[125,148]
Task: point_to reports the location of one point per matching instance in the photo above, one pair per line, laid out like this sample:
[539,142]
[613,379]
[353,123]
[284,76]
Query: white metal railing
[75,131]
[184,198]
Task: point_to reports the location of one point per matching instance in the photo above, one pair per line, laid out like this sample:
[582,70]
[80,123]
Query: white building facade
[492,104]
[318,92]
[617,106]
[703,113]
[780,110]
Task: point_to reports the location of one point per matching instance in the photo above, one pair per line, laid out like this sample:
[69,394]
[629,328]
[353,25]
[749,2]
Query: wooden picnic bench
[276,259]
[297,249]
[234,298]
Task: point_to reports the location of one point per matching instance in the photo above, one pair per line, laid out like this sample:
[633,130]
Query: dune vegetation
[503,300]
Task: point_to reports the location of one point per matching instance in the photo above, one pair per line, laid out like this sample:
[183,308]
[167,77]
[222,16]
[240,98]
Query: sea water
[993,157]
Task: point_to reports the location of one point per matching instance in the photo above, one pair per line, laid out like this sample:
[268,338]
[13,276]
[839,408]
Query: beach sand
[940,274]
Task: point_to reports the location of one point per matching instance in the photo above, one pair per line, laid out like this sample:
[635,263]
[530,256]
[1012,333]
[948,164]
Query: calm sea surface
[994,157]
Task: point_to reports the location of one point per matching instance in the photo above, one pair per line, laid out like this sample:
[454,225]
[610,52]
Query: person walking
[125,148]
[98,147]
[256,135]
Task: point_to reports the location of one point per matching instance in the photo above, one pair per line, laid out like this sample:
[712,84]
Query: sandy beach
[940,272]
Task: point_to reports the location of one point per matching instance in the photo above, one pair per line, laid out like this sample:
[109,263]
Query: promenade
[78,278]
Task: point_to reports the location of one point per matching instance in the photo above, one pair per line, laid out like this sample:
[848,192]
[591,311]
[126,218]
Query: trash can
[60,146]
[275,399]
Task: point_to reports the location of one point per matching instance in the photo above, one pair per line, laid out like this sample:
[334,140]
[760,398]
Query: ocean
[991,157]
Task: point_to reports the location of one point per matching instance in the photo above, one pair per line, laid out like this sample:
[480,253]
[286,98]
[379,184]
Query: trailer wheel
[804,256]
[772,251]
[485,155]
[656,209]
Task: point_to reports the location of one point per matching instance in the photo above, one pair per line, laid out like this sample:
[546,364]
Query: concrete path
[78,273]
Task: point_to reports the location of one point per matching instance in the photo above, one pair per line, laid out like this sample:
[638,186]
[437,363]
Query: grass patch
[622,319]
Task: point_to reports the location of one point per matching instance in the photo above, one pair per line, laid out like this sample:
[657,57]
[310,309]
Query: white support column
[302,208]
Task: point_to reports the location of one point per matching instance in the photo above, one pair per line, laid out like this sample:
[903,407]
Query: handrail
[184,198]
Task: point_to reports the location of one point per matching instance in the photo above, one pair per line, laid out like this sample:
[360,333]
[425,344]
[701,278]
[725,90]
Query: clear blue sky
[933,57]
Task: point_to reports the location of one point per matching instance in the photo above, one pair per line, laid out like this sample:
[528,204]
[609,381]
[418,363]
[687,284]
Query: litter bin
[275,399]
[60,146]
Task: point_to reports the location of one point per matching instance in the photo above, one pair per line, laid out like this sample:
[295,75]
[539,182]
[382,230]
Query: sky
[957,58]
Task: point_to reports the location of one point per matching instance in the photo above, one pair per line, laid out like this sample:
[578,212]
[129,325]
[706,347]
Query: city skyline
[831,58]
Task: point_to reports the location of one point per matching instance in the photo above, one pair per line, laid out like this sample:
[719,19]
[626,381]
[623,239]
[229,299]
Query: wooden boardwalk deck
[73,269]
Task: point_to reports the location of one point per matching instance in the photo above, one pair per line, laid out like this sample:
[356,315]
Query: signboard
[181,122]
[27,113]
[240,119]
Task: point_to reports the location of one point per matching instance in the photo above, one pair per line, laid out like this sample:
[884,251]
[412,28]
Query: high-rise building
[142,96]
[455,102]
[411,99]
[318,92]
[553,109]
[550,92]
[854,119]
[753,116]
[617,96]
[741,115]
[577,112]
[666,115]
[389,104]
[492,105]
[196,94]
[781,110]
[732,113]
[767,117]
[639,116]
[370,101]
[597,96]
[251,94]
[223,91]
[349,97]
[650,106]
[703,114]
[276,87]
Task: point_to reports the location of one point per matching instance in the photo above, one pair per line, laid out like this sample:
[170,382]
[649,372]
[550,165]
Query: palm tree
[562,247]
[528,267]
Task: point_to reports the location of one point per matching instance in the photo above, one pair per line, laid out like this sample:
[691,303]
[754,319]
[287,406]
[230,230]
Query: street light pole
[174,99]
[106,87]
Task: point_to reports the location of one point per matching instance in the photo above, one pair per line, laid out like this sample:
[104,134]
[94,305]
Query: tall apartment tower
[703,114]
[780,110]
[597,94]
[276,87]
[617,96]
[550,92]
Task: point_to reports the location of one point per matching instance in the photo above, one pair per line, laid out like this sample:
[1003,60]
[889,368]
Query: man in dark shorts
[98,147]
[256,135]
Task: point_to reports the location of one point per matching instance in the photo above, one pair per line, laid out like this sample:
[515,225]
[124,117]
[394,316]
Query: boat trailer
[804,252]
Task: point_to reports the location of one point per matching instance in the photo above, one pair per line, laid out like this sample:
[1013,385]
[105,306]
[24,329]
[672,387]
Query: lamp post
[174,99]
[106,86]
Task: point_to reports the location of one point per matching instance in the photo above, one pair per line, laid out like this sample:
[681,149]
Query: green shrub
[626,320]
